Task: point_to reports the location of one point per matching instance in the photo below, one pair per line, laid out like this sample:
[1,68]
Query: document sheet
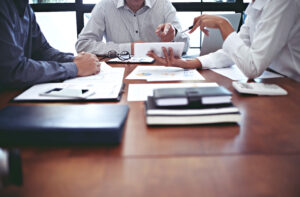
[106,85]
[140,92]
[164,73]
[234,73]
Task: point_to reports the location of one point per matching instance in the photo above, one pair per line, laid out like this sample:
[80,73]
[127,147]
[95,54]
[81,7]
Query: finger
[206,31]
[154,56]
[172,59]
[159,28]
[166,29]
[195,26]
[203,29]
[166,55]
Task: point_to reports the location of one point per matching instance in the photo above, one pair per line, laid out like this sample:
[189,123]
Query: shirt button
[134,15]
[136,31]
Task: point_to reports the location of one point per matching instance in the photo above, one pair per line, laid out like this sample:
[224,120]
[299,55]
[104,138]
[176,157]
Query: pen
[187,29]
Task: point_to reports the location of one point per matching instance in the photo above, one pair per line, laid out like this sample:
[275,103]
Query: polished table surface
[258,157]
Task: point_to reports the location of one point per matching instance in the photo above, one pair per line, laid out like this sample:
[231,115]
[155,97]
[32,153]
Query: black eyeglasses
[124,55]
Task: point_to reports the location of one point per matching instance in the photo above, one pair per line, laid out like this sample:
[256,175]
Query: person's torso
[123,26]
[288,60]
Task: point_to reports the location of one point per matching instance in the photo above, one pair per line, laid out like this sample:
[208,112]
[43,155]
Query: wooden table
[259,157]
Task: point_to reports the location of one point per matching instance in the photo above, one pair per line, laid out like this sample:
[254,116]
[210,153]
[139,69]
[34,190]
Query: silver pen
[191,27]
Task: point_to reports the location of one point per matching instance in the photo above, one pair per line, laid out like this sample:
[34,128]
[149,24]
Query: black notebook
[191,96]
[190,116]
[62,124]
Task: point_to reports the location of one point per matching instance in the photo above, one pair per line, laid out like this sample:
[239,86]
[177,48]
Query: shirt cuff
[232,44]
[205,61]
[125,47]
[71,69]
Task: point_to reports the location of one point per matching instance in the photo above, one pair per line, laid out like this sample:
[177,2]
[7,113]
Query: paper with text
[164,73]
[140,92]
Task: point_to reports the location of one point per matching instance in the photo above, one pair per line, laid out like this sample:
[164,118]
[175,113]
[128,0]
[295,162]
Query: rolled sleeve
[232,43]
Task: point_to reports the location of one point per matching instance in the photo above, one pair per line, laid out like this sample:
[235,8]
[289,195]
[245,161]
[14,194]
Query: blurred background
[62,20]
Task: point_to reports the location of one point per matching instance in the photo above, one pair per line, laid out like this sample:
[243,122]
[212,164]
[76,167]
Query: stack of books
[191,106]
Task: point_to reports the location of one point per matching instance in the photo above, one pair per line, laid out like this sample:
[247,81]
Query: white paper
[106,85]
[140,92]
[164,73]
[234,73]
[141,49]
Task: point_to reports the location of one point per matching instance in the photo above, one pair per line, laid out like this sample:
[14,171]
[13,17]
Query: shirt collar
[148,3]
[259,4]
[21,6]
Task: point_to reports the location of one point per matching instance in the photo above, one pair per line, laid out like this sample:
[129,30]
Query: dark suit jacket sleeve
[26,58]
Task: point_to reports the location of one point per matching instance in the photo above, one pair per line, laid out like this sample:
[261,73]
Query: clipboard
[32,94]
[107,86]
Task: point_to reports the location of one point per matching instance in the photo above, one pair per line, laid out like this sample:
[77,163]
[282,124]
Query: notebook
[62,124]
[171,97]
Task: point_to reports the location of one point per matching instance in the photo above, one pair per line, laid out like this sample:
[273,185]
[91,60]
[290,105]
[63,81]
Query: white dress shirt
[113,20]
[270,38]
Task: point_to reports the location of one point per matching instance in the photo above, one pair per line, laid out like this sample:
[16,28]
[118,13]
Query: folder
[106,86]
[62,124]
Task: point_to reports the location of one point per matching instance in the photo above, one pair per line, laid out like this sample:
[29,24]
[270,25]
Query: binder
[62,124]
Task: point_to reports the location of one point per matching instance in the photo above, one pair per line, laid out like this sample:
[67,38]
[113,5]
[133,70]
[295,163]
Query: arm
[170,17]
[220,58]
[91,37]
[271,35]
[41,50]
[19,70]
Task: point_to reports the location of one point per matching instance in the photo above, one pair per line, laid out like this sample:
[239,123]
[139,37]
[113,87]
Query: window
[51,1]
[66,18]
[59,28]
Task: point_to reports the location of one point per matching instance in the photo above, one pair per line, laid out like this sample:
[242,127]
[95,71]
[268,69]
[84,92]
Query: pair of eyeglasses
[124,55]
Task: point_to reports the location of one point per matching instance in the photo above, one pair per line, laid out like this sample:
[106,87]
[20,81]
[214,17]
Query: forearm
[225,28]
[26,72]
[95,47]
[48,53]
[218,59]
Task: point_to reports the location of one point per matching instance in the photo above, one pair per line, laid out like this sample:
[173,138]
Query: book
[62,124]
[190,116]
[191,96]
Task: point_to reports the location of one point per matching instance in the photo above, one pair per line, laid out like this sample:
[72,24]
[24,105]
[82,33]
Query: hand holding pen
[209,21]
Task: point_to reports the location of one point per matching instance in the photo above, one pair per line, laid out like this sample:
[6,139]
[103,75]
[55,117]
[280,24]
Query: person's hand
[132,46]
[211,21]
[166,32]
[171,60]
[87,64]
